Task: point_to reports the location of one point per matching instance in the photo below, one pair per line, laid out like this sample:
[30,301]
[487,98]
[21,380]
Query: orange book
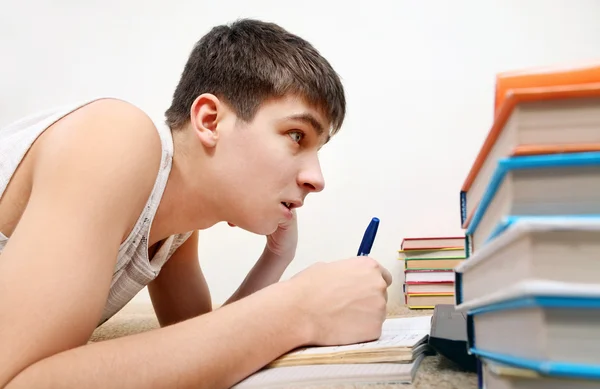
[555,149]
[500,144]
[548,76]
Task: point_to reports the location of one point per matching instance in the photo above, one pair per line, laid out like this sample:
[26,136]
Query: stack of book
[428,269]
[530,207]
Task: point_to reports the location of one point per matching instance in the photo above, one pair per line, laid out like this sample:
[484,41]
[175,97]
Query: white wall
[419,83]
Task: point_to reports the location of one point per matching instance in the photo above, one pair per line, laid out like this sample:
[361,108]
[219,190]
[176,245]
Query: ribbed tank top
[134,269]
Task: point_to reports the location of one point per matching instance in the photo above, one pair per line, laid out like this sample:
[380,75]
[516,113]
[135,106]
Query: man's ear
[204,116]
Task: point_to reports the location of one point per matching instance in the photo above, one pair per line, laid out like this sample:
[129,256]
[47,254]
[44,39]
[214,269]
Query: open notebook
[401,340]
[303,376]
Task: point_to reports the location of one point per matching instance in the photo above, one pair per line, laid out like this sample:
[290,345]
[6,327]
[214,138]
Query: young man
[97,201]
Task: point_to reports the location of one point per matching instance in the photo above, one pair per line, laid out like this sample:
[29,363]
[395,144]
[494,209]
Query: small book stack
[428,270]
[530,207]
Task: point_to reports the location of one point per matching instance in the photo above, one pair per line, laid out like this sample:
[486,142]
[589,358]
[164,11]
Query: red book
[432,243]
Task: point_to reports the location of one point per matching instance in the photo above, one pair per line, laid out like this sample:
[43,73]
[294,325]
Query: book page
[396,332]
[429,276]
[319,374]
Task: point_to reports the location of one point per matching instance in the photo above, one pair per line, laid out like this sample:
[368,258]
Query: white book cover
[529,224]
[533,288]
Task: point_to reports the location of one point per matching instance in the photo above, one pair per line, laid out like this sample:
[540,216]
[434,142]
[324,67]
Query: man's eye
[296,135]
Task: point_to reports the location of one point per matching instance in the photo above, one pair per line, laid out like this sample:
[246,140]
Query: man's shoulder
[118,125]
[109,135]
[117,111]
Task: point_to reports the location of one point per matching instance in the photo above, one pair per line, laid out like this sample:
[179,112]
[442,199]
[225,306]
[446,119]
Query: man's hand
[284,240]
[344,301]
[279,251]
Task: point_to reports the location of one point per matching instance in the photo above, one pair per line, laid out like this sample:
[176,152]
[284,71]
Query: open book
[402,340]
[309,375]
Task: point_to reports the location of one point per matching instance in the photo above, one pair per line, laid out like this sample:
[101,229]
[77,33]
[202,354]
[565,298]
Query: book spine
[468,248]
[463,207]
[470,333]
[458,288]
[439,247]
[431,258]
[433,268]
[479,364]
[429,282]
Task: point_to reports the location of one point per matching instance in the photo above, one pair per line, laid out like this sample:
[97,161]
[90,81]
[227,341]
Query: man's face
[270,164]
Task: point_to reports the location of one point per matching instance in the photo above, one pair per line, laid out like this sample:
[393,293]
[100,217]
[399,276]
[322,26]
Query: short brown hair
[250,61]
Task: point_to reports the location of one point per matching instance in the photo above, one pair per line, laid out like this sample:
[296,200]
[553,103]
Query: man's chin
[264,228]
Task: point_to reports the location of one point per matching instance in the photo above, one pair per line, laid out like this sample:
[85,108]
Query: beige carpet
[435,372]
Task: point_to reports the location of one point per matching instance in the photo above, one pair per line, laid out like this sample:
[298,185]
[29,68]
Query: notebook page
[396,332]
[314,374]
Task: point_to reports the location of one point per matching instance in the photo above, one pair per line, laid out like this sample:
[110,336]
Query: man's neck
[187,203]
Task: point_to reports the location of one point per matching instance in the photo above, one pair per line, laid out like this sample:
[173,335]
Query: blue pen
[368,238]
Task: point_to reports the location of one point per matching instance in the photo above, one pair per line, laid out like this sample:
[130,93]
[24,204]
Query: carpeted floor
[435,372]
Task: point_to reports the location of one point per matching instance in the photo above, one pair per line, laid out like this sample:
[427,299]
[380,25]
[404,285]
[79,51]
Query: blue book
[538,185]
[552,328]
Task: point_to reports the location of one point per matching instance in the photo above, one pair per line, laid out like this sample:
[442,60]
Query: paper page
[315,374]
[532,288]
[396,332]
[430,276]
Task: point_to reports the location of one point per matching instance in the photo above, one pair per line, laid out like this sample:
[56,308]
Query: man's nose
[311,177]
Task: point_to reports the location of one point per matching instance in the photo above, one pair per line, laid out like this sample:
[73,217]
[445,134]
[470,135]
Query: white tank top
[134,269]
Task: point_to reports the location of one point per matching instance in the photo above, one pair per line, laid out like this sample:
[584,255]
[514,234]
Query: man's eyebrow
[310,120]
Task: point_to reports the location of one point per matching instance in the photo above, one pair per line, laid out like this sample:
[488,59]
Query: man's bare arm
[180,291]
[266,271]
[214,350]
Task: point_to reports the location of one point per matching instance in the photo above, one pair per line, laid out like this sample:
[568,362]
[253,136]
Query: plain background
[419,78]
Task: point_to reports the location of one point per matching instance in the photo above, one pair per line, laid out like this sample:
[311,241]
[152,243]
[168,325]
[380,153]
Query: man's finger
[386,275]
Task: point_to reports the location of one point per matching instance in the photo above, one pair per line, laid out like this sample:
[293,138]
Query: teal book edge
[544,301]
[544,367]
[506,165]
[508,221]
